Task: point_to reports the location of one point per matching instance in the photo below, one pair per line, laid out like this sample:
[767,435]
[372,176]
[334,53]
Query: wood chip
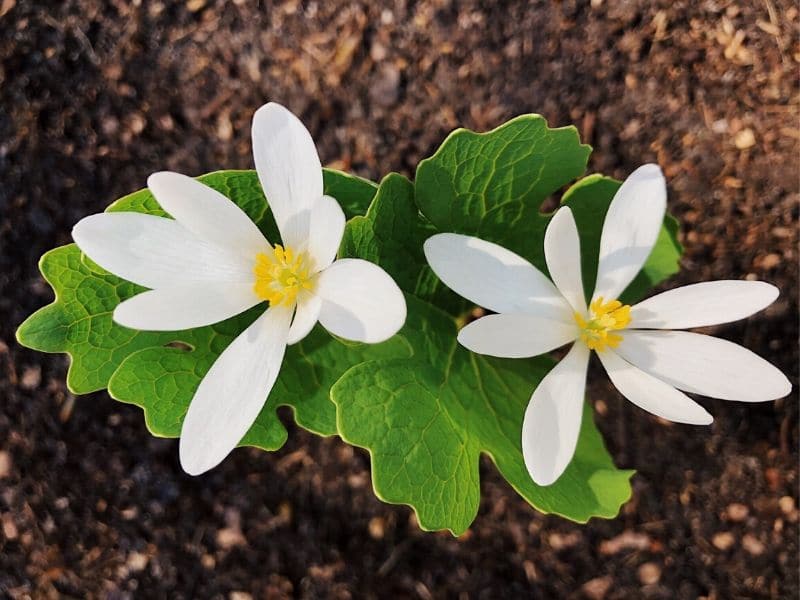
[230,537]
[7,5]
[597,588]
[628,540]
[6,463]
[770,261]
[195,5]
[9,527]
[561,541]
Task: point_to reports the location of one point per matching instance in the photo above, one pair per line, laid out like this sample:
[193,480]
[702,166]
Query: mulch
[95,95]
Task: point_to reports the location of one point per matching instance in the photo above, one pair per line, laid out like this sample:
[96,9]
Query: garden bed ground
[95,95]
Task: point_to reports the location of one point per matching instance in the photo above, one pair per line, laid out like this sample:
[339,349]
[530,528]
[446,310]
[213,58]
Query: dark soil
[95,95]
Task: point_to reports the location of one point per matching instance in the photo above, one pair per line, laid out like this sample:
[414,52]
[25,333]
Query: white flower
[211,262]
[647,364]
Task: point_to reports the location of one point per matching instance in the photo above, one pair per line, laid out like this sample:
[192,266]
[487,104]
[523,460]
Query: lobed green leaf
[424,407]
[426,420]
[159,371]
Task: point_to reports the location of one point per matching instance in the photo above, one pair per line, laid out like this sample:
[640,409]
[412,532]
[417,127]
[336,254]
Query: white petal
[705,365]
[553,418]
[207,213]
[156,252]
[701,304]
[326,227]
[305,317]
[651,394]
[562,250]
[185,307]
[233,392]
[516,335]
[630,230]
[360,301]
[288,168]
[493,277]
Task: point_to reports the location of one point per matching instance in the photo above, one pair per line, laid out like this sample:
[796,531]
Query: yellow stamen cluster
[604,317]
[281,274]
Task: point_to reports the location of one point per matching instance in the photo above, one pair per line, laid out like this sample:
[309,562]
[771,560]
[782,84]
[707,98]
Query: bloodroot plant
[354,314]
[646,361]
[210,262]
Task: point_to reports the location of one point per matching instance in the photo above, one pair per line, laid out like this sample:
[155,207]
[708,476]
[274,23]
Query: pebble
[357,480]
[723,540]
[745,139]
[208,561]
[230,537]
[137,561]
[386,89]
[129,514]
[786,502]
[649,573]
[377,528]
[770,261]
[737,512]
[773,477]
[377,52]
[720,126]
[752,545]
[31,378]
[136,123]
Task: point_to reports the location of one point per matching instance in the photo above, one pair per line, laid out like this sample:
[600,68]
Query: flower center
[603,318]
[281,274]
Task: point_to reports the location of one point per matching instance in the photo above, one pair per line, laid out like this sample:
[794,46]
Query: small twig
[394,558]
[79,35]
[773,18]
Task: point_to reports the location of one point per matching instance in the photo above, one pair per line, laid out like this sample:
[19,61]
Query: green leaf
[354,194]
[391,235]
[162,380]
[79,321]
[424,407]
[160,371]
[426,421]
[491,185]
